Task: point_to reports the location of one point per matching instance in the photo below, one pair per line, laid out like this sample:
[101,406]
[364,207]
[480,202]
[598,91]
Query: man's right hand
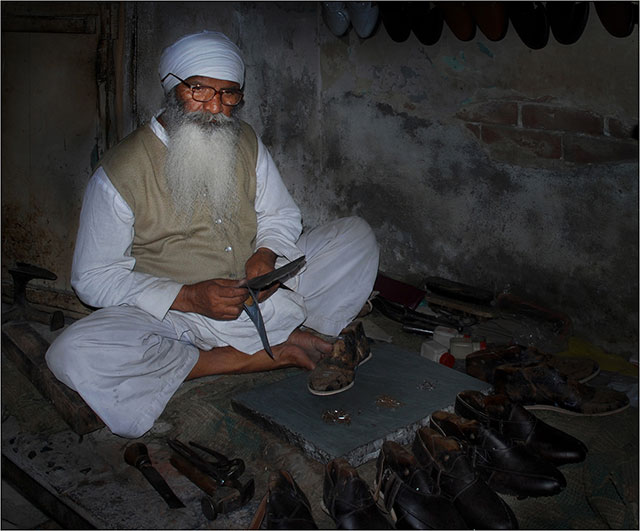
[218,298]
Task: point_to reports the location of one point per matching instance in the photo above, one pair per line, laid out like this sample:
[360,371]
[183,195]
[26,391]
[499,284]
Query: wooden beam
[26,348]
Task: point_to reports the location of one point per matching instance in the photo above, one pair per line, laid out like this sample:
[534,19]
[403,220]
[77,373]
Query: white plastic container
[460,347]
[434,351]
[444,335]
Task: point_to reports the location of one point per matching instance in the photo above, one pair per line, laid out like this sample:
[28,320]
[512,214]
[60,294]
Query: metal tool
[21,309]
[256,284]
[137,455]
[211,475]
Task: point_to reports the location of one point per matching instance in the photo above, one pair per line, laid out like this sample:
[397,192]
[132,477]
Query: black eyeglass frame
[215,91]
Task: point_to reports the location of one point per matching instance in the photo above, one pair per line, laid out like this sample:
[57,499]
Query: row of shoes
[340,16]
[450,479]
[532,21]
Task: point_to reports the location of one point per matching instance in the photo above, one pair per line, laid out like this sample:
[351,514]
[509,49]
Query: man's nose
[214,105]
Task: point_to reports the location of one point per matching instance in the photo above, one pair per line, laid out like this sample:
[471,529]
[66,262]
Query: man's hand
[218,298]
[263,261]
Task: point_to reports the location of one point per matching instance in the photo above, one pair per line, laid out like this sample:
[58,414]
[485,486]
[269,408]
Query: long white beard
[200,167]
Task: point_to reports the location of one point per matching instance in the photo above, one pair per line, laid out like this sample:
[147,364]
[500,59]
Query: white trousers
[126,364]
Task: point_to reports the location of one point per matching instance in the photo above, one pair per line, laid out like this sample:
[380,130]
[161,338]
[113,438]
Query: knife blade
[253,311]
[256,284]
[280,274]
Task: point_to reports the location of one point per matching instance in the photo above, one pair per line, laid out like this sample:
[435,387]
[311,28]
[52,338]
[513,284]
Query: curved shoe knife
[256,284]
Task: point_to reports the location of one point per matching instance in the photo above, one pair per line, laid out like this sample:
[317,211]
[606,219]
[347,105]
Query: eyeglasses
[228,96]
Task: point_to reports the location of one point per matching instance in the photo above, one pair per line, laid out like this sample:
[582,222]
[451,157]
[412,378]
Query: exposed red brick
[474,128]
[598,150]
[551,118]
[491,112]
[620,129]
[510,143]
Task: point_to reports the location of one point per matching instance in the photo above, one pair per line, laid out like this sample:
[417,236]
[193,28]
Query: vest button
[218,221]
[228,249]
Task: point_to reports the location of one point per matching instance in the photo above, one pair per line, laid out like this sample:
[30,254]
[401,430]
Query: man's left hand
[262,262]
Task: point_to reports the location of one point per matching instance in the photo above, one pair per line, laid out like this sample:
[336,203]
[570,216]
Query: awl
[137,455]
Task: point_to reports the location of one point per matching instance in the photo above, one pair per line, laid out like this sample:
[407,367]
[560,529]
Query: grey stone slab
[394,394]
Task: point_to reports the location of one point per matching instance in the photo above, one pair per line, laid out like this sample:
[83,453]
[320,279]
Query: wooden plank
[26,348]
[468,307]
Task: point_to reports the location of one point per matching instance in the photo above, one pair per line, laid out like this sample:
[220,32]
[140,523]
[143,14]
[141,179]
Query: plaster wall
[372,128]
[393,132]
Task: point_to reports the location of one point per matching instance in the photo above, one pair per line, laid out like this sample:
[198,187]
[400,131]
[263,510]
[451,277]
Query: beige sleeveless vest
[208,247]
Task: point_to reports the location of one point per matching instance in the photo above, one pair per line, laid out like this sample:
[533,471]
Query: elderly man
[175,220]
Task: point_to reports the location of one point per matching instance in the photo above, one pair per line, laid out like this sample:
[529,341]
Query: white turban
[208,54]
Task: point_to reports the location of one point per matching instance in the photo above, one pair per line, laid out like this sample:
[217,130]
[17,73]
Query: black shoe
[348,500]
[507,467]
[284,505]
[518,424]
[410,495]
[479,505]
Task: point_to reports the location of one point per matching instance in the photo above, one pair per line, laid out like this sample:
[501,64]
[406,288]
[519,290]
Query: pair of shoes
[544,387]
[347,498]
[521,426]
[482,364]
[337,371]
[284,505]
[476,502]
[339,16]
[507,467]
[410,494]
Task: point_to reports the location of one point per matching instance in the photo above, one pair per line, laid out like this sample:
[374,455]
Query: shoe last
[364,17]
[513,421]
[336,17]
[348,500]
[409,493]
[287,505]
[478,504]
[507,467]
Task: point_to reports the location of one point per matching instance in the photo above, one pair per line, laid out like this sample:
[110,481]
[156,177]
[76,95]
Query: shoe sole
[336,391]
[590,377]
[535,407]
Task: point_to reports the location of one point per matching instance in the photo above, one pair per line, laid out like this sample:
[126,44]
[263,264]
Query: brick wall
[540,133]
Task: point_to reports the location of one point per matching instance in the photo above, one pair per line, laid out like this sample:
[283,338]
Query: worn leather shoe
[337,371]
[544,387]
[478,504]
[410,495]
[284,505]
[483,363]
[348,500]
[522,426]
[507,467]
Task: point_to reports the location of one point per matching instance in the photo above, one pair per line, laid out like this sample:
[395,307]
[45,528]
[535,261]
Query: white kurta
[127,359]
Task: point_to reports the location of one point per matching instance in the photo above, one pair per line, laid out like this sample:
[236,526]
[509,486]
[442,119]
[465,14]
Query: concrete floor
[20,513]
[590,502]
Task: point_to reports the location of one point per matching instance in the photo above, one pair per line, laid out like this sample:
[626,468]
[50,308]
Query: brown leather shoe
[543,387]
[482,363]
[337,371]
